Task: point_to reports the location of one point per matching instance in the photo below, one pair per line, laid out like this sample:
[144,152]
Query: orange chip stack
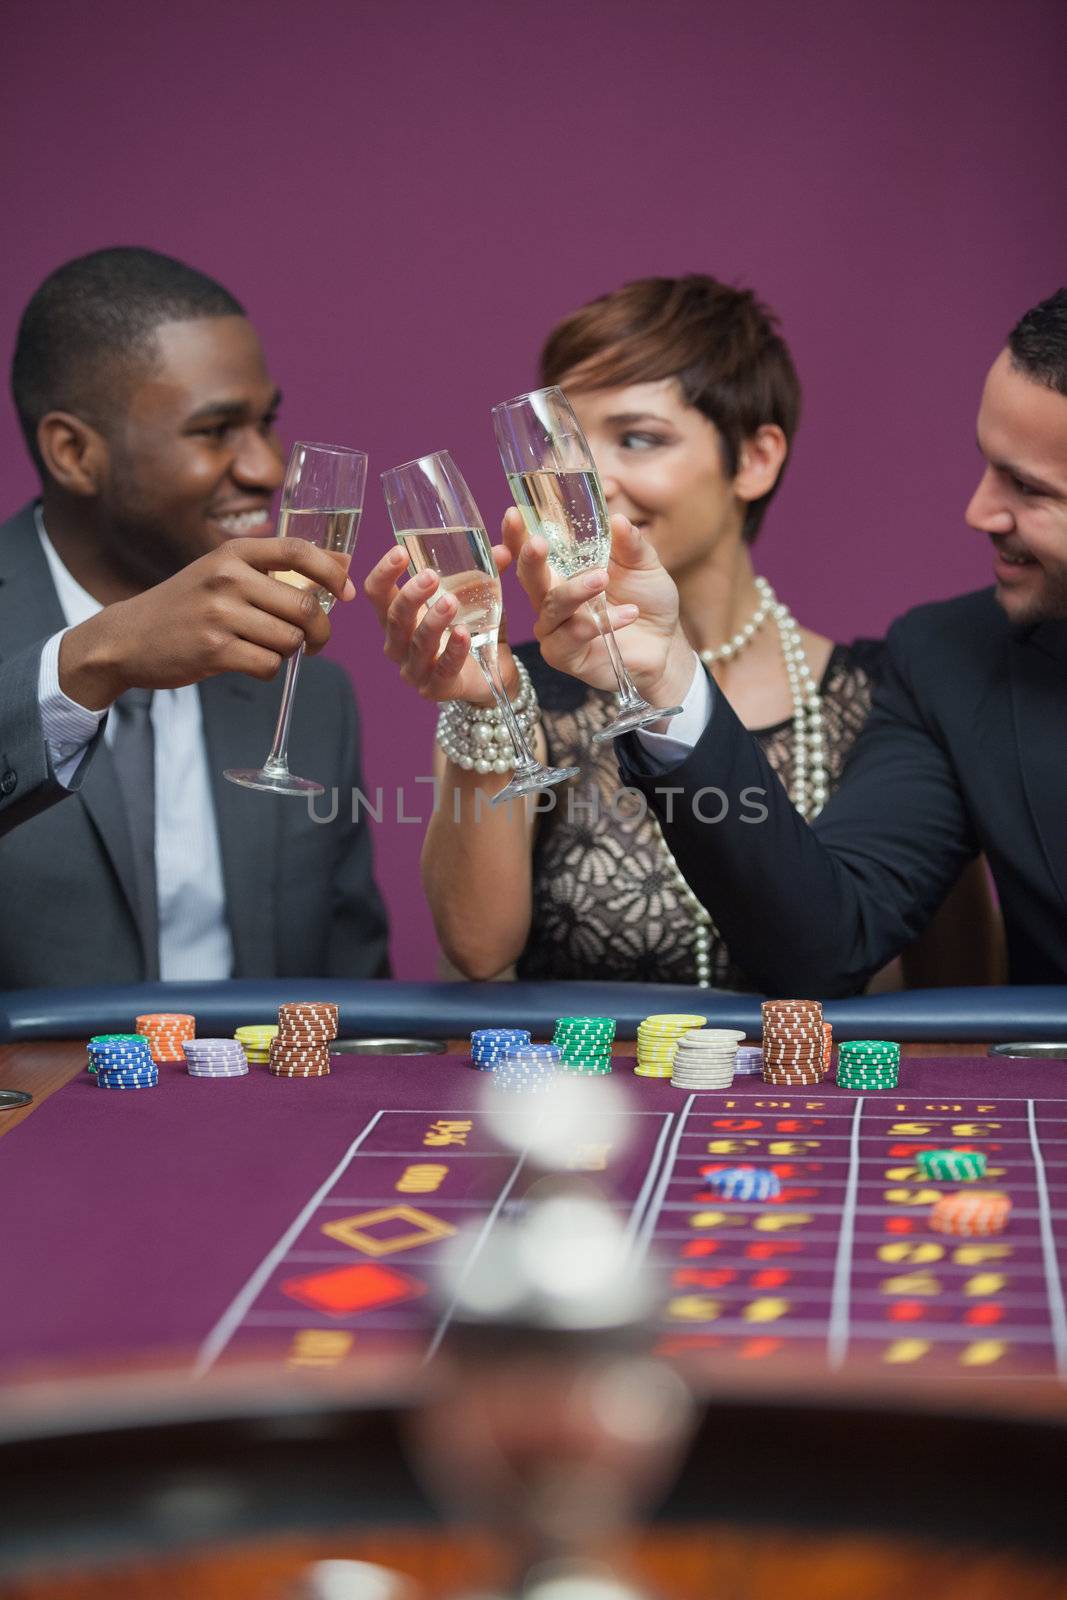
[301,1048]
[971,1213]
[827,1048]
[166,1032]
[794,1043]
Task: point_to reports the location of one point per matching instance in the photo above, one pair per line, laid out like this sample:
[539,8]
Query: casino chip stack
[953,1166]
[584,1043]
[166,1032]
[868,1064]
[704,1058]
[746,1183]
[794,1042]
[527,1068]
[972,1213]
[657,1041]
[122,1061]
[489,1046]
[301,1047]
[827,1049]
[255,1040]
[748,1062]
[215,1058]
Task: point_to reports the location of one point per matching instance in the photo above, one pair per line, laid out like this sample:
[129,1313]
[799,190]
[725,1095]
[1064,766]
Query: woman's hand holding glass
[414,631]
[642,605]
[436,521]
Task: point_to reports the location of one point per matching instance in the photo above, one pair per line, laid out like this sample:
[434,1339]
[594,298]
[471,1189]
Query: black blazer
[300,896]
[965,751]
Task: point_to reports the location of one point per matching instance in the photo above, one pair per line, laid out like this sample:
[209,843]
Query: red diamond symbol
[344,1290]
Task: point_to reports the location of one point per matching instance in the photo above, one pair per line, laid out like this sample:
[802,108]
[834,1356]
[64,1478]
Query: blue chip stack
[489,1046]
[529,1068]
[746,1183]
[122,1061]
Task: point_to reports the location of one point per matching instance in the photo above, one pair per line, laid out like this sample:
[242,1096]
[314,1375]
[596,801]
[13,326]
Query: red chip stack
[794,1043]
[301,1048]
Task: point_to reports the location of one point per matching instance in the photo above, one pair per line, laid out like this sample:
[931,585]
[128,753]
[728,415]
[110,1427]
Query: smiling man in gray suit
[140,629]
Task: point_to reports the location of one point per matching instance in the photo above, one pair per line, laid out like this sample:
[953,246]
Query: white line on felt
[655,1205]
[837,1333]
[1048,1250]
[231,1318]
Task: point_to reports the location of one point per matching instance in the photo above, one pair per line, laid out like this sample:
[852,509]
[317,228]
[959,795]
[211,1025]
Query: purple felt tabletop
[304,1219]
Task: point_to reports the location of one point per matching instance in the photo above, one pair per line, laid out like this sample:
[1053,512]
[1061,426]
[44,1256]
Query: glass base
[529,780]
[273,782]
[638,716]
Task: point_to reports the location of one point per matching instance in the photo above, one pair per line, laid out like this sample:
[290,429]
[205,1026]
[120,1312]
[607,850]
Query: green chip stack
[868,1064]
[584,1043]
[952,1166]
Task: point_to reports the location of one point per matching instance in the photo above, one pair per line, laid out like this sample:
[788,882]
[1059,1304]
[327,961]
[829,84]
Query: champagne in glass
[322,501]
[464,567]
[333,531]
[436,520]
[555,484]
[567,509]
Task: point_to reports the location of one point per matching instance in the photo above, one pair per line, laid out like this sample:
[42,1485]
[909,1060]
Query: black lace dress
[605,901]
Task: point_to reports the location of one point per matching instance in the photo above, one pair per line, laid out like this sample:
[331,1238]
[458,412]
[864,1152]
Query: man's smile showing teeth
[238,524]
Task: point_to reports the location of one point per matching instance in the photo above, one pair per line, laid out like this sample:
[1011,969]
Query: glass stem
[628,696]
[487,659]
[277,763]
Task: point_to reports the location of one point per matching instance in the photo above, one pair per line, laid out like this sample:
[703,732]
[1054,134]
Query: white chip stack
[704,1058]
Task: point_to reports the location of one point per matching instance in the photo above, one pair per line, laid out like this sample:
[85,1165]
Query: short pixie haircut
[721,344]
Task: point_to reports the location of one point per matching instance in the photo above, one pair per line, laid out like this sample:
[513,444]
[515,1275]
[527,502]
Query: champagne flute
[322,501]
[554,482]
[440,528]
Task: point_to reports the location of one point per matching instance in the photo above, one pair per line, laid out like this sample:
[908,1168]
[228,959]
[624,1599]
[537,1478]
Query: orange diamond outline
[353,1230]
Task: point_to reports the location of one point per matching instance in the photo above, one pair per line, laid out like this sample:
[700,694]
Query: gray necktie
[133,752]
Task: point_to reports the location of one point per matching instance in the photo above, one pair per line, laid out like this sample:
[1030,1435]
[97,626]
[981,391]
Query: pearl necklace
[726,652]
[809,746]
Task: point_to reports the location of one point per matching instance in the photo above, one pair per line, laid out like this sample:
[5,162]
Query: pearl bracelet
[476,737]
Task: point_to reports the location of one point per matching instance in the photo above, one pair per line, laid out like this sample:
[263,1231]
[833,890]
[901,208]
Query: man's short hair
[1038,343]
[721,343]
[90,327]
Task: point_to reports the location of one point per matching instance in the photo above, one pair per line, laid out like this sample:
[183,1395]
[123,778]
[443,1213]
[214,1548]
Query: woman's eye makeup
[640,439]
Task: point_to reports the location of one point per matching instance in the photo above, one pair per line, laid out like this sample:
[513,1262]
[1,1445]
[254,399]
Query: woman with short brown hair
[689,399]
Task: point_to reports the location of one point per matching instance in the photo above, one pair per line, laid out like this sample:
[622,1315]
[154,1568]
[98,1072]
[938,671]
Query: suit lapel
[1039,697]
[238,725]
[30,611]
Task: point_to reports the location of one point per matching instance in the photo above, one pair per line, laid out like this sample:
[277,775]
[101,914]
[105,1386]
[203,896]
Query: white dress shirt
[194,936]
[667,749]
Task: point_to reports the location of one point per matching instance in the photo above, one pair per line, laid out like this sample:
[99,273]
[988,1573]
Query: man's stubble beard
[1051,606]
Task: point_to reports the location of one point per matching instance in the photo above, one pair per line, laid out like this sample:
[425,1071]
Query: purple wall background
[407,193]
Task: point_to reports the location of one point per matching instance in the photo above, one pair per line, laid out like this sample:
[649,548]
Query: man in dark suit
[964,750]
[140,629]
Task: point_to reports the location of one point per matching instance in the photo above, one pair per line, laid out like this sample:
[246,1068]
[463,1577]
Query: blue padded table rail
[375,1007]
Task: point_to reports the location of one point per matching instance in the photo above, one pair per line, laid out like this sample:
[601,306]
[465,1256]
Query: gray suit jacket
[300,895]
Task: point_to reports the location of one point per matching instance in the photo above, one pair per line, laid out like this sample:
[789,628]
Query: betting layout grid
[830,1223]
[755,1295]
[848,1258]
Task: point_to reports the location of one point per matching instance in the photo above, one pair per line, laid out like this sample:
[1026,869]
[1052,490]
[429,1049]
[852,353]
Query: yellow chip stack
[255,1041]
[657,1041]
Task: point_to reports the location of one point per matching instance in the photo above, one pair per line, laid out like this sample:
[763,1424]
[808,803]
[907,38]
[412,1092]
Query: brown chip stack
[794,1043]
[827,1049]
[301,1048]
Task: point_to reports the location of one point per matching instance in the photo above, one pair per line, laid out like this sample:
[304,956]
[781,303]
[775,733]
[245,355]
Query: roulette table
[294,1229]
